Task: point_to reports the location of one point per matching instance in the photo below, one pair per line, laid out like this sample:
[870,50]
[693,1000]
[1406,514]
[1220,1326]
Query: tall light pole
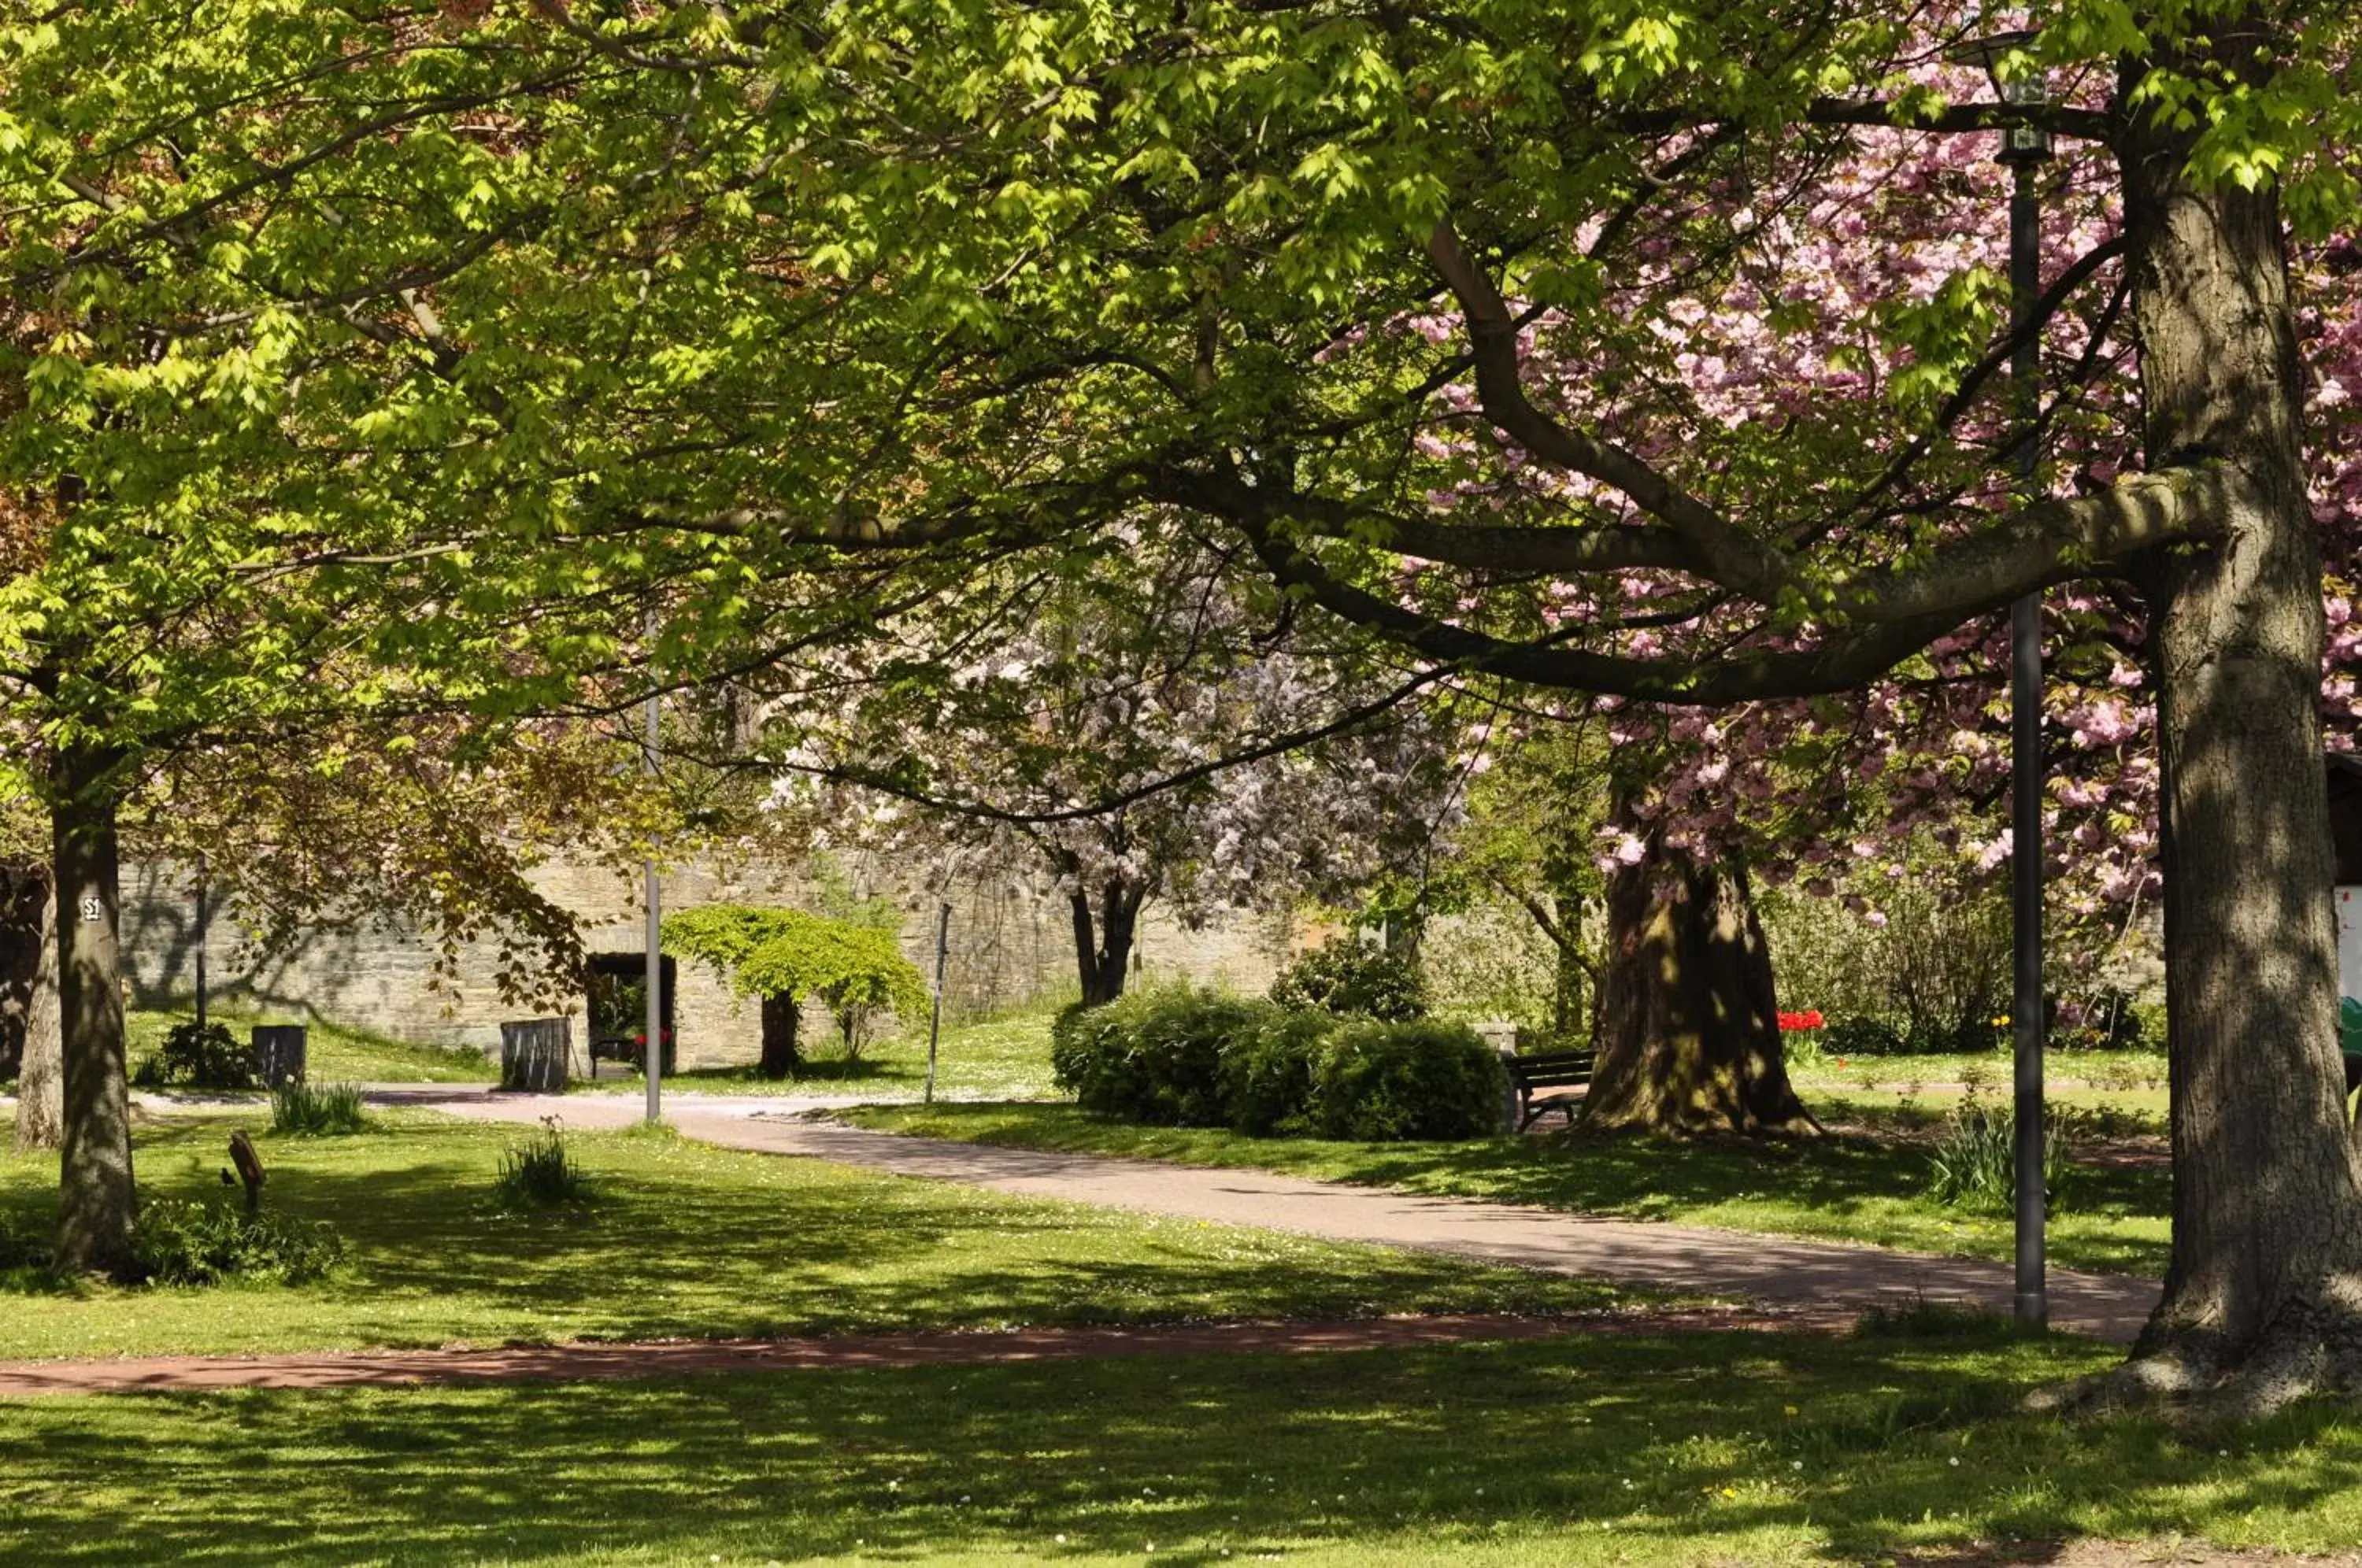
[2025,149]
[653,1057]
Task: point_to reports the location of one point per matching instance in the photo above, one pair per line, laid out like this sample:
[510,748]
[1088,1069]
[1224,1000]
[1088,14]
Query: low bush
[1860,1034]
[201,1056]
[1345,977]
[1975,1161]
[181,1242]
[1271,1075]
[328,1110]
[1397,1082]
[542,1171]
[1154,1057]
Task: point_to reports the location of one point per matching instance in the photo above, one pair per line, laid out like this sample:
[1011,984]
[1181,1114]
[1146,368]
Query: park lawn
[1003,1057]
[688,1241]
[1718,1447]
[1851,1186]
[333,1053]
[1986,1070]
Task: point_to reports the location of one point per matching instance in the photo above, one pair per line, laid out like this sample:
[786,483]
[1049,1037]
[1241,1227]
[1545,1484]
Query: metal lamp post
[2025,149]
[651,1057]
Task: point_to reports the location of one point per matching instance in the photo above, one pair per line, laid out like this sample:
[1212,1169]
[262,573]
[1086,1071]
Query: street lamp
[2025,149]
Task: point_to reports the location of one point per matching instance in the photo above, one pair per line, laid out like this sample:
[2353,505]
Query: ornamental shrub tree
[783,956]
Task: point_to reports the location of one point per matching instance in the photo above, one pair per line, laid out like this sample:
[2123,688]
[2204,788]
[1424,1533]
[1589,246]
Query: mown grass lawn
[1007,1057]
[688,1240]
[1721,1449]
[1863,1186]
[333,1053]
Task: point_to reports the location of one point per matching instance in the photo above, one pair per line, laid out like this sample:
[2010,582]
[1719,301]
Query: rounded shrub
[1861,1035]
[1271,1073]
[1342,977]
[1399,1082]
[1153,1056]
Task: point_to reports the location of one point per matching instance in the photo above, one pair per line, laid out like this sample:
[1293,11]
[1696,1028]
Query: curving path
[1773,1271]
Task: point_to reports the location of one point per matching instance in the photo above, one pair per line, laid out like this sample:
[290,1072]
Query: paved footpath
[1776,1272]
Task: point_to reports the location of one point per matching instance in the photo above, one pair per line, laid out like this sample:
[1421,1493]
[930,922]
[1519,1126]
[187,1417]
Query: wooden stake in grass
[249,1170]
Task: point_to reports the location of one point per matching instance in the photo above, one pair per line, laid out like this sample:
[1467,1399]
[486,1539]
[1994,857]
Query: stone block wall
[1011,943]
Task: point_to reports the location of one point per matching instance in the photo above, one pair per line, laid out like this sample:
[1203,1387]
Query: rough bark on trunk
[782,1016]
[94,1190]
[40,1078]
[2263,1298]
[1689,1027]
[1103,959]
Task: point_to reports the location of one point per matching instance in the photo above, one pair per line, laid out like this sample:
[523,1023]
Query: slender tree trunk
[782,1016]
[1689,1031]
[1103,959]
[41,1078]
[1569,978]
[94,1197]
[2263,1300]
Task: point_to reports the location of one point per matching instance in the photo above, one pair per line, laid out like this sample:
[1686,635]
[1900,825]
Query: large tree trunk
[1102,960]
[1689,1029]
[40,1076]
[782,1016]
[94,1196]
[2263,1298]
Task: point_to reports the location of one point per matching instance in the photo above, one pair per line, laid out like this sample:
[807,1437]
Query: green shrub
[1861,1035]
[1394,1082]
[328,1110]
[1975,1161]
[200,1055]
[1271,1074]
[1154,1057]
[180,1243]
[542,1171]
[1344,977]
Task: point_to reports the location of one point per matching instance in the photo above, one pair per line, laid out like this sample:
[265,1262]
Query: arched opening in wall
[615,987]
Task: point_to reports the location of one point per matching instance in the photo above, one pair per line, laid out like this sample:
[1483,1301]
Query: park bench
[1548,1082]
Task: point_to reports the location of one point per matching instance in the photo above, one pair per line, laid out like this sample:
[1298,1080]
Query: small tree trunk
[782,1015]
[95,1196]
[41,1078]
[1103,960]
[1689,1032]
[1569,978]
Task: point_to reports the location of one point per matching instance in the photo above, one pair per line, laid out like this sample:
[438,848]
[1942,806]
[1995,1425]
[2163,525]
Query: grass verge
[1006,1057]
[1718,1449]
[332,1052]
[685,1241]
[1847,1188]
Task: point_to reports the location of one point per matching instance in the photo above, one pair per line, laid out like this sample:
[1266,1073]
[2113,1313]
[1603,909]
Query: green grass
[1721,1449]
[332,1052]
[1862,1187]
[1988,1070]
[683,1240]
[1006,1057]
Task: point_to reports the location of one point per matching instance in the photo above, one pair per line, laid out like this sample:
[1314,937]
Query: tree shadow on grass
[685,1241]
[1712,1448]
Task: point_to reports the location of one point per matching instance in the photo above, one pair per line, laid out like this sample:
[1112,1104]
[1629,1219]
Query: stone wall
[1011,943]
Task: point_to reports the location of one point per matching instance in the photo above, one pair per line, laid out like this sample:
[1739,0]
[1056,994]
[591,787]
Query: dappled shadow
[1717,1448]
[683,1241]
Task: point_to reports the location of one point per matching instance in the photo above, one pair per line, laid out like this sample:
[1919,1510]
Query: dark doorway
[617,988]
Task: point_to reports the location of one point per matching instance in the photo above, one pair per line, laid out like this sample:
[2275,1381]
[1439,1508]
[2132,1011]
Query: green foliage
[1155,1056]
[199,1055]
[859,970]
[1345,977]
[1271,1074]
[2349,1026]
[1857,1034]
[181,1242]
[1974,1164]
[1400,1082]
[323,1110]
[541,1171]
